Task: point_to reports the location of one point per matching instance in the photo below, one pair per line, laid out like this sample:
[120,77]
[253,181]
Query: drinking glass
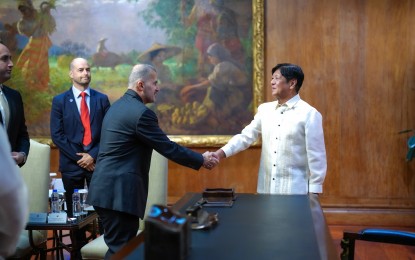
[84,194]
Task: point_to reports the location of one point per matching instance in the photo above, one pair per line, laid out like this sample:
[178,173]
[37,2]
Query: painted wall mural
[203,51]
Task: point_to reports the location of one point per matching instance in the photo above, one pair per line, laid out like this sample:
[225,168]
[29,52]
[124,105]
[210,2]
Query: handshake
[211,159]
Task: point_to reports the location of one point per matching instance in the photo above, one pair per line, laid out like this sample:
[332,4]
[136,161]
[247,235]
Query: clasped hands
[86,162]
[211,159]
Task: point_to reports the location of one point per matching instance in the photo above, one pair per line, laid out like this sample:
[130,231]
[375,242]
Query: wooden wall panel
[358,59]
[54,160]
[239,172]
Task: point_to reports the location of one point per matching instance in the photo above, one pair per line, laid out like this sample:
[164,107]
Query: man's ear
[293,83]
[140,85]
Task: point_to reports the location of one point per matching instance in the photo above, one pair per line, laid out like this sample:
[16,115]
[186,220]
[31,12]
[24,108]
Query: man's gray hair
[140,72]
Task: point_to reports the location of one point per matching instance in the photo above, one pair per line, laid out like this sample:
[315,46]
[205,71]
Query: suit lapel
[92,105]
[12,107]
[71,101]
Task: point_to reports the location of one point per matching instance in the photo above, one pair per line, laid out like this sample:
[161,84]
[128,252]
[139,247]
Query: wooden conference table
[257,226]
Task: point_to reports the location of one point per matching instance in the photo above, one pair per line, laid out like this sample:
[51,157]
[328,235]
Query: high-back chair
[157,194]
[374,235]
[36,176]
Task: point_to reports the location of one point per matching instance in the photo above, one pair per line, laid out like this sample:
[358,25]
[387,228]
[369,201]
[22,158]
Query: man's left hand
[86,161]
[19,158]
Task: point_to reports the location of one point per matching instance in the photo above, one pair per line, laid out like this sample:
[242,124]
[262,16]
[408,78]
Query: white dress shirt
[4,108]
[78,97]
[293,157]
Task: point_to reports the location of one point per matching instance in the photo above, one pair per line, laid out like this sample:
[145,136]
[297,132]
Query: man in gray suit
[130,132]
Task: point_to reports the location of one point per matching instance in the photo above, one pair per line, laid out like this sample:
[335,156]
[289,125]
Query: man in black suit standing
[12,113]
[130,132]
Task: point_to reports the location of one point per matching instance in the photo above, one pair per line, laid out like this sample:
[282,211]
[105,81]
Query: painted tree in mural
[195,25]
[31,71]
[205,91]
[170,16]
[37,25]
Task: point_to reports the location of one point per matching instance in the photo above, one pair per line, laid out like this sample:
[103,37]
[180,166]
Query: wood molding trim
[370,217]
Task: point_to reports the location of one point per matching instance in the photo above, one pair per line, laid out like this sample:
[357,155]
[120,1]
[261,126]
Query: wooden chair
[157,194]
[35,174]
[374,235]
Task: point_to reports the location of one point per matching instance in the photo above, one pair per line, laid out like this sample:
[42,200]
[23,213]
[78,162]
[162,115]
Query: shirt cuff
[226,151]
[315,188]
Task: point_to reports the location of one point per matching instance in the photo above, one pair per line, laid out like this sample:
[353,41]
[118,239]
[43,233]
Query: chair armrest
[374,235]
[388,236]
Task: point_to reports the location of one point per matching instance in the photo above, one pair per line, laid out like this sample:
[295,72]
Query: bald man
[77,157]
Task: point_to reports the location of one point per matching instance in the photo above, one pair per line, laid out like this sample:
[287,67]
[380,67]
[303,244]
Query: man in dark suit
[130,132]
[77,158]
[12,113]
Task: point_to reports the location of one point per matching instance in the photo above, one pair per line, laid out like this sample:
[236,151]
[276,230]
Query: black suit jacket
[130,132]
[67,131]
[17,130]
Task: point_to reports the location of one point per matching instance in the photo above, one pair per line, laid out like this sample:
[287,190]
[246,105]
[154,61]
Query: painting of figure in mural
[201,49]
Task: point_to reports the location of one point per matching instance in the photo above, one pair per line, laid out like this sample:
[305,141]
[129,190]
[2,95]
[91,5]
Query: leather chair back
[36,176]
[157,194]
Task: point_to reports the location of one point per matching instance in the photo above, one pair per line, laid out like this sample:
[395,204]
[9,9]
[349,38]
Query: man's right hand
[86,162]
[210,160]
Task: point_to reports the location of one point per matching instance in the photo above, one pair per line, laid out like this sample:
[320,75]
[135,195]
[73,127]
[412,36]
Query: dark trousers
[71,181]
[119,228]
[74,180]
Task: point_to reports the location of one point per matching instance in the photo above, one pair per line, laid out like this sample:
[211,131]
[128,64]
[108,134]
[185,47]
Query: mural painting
[202,50]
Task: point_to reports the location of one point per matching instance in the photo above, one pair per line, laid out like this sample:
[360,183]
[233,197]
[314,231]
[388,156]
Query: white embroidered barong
[293,157]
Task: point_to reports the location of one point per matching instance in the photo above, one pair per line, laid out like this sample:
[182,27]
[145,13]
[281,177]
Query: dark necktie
[85,120]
